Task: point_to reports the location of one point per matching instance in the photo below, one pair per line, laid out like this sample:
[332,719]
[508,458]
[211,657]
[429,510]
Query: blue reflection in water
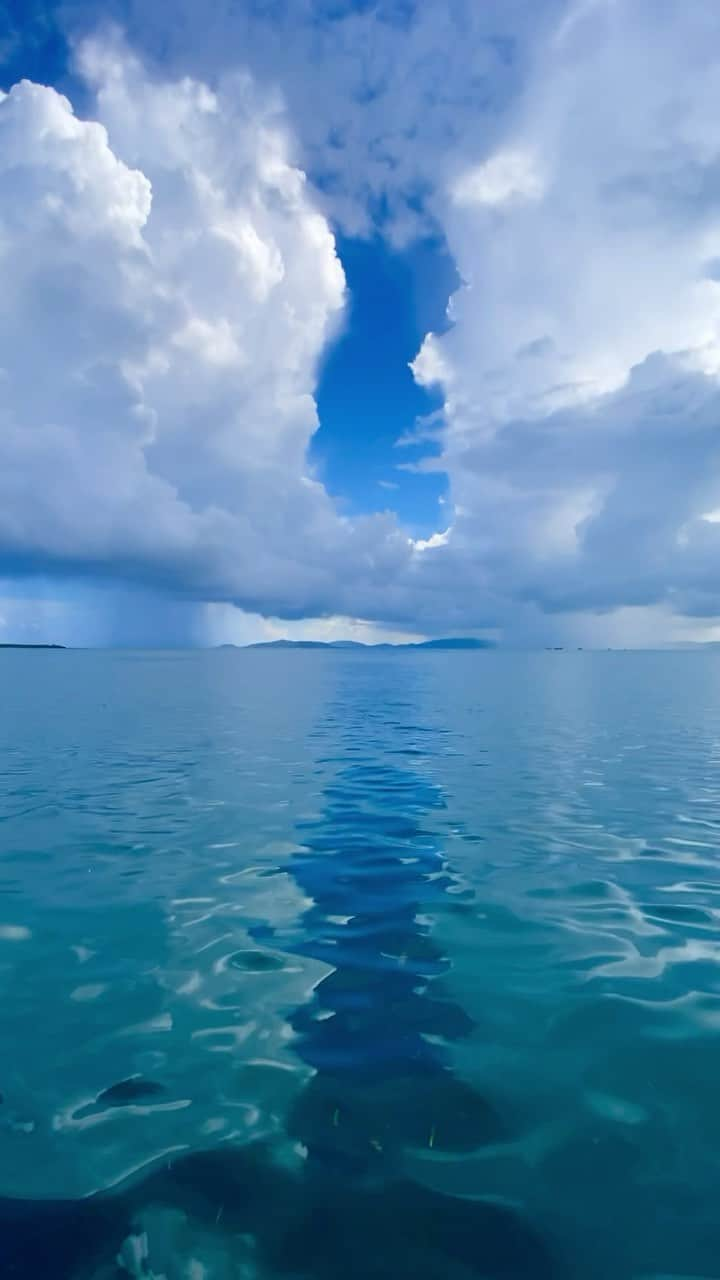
[370,875]
[376,1033]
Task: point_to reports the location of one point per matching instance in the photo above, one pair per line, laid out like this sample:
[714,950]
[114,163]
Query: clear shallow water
[376,965]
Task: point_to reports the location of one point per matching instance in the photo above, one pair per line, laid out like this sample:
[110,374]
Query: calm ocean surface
[360,966]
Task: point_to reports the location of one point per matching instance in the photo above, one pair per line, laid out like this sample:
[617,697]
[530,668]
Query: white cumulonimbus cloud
[169,287]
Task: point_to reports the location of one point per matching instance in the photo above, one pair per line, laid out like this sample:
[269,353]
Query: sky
[359,319]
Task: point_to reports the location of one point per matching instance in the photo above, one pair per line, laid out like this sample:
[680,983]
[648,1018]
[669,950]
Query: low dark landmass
[7,645]
[450,642]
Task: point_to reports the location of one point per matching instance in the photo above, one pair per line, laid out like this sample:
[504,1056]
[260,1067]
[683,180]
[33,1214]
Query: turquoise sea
[360,966]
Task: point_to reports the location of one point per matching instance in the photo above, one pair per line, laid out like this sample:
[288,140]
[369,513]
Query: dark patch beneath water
[52,1240]
[376,1121]
[256,961]
[306,1225]
[127,1092]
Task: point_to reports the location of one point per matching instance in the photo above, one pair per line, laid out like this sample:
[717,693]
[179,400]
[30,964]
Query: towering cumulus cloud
[168,290]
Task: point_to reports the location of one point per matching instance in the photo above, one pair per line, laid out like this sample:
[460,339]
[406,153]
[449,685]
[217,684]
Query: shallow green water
[388,964]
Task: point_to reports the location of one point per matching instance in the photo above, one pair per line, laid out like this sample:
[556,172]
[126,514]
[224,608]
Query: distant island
[451,642]
[4,644]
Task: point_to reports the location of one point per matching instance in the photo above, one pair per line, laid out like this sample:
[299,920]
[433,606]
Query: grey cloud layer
[581,374]
[380,95]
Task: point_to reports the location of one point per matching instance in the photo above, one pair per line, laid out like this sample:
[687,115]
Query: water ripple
[364,964]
